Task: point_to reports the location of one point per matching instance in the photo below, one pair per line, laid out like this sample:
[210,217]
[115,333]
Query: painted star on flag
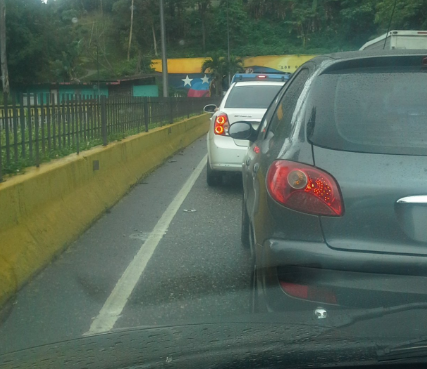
[205,79]
[187,81]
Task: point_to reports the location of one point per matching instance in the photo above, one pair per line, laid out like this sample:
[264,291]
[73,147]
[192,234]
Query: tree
[3,56]
[238,25]
[59,40]
[217,67]
[234,65]
[409,14]
[132,7]
[271,9]
[357,21]
[202,7]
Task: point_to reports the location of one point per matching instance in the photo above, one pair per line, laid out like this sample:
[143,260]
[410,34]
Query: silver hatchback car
[247,99]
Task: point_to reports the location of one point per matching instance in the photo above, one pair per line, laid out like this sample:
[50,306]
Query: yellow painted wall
[45,209]
[285,63]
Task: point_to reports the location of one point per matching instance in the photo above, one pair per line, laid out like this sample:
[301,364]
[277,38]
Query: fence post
[15,128]
[6,126]
[78,118]
[187,105]
[1,151]
[48,115]
[146,115]
[23,124]
[42,118]
[170,101]
[36,129]
[104,120]
[1,159]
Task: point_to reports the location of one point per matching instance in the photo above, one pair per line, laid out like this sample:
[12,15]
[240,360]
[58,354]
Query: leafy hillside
[66,40]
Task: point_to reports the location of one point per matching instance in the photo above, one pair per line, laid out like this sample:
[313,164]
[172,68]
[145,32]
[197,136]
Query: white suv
[247,99]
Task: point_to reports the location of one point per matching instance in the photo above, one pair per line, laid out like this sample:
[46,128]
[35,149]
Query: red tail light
[311,293]
[304,188]
[221,125]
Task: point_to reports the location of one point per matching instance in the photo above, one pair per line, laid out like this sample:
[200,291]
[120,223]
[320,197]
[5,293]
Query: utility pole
[3,57]
[131,26]
[164,56]
[228,45]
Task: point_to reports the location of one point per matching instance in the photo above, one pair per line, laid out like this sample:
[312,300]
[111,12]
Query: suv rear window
[252,96]
[370,110]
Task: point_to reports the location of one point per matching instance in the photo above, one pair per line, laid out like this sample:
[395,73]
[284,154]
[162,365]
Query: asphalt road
[196,267]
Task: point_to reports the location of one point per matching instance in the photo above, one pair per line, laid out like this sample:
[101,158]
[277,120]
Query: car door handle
[421,199]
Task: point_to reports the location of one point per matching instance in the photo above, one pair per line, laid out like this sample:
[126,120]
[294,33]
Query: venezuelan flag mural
[185,73]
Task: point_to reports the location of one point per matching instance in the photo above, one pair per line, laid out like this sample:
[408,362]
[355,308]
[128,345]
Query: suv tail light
[221,125]
[304,188]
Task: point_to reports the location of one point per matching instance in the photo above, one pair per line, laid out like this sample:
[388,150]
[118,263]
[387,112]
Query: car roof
[369,58]
[367,54]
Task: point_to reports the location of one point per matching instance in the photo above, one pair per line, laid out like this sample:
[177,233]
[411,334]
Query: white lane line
[118,298]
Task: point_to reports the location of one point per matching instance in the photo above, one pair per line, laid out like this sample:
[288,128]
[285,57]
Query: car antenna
[389,23]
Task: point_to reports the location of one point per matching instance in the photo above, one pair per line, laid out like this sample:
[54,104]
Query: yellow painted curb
[47,208]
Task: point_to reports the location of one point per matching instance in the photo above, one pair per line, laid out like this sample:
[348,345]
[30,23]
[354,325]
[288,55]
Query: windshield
[154,213]
[252,96]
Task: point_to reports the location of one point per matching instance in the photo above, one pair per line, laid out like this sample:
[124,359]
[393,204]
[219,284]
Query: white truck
[398,40]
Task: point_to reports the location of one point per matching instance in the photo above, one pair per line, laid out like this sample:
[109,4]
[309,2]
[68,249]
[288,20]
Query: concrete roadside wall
[47,208]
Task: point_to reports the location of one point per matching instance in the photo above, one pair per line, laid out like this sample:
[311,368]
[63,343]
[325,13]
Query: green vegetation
[66,40]
[219,66]
[86,140]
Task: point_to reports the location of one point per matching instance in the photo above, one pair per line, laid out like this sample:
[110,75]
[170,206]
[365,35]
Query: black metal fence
[32,132]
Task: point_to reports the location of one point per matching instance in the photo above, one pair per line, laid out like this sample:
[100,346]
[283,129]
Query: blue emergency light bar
[273,77]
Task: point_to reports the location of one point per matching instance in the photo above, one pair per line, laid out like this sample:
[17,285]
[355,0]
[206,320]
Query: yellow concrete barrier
[47,208]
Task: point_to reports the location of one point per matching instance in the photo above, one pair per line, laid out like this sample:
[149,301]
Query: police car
[247,99]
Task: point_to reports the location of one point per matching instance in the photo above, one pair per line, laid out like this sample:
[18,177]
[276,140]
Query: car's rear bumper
[225,155]
[320,255]
[355,278]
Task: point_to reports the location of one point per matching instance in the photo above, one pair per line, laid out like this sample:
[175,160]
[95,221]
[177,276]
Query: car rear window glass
[252,96]
[370,110]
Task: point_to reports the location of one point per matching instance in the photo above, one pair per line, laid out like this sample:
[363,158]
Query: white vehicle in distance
[247,99]
[398,40]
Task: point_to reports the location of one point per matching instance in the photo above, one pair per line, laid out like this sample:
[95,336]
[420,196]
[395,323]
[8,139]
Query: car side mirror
[242,131]
[211,108]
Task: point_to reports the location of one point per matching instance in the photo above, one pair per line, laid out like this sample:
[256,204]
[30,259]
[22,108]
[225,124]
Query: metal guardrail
[31,133]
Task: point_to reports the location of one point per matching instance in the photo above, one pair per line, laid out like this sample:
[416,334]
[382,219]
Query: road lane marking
[118,298]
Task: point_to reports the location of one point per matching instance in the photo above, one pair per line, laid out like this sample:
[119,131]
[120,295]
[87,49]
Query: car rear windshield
[370,110]
[252,96]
